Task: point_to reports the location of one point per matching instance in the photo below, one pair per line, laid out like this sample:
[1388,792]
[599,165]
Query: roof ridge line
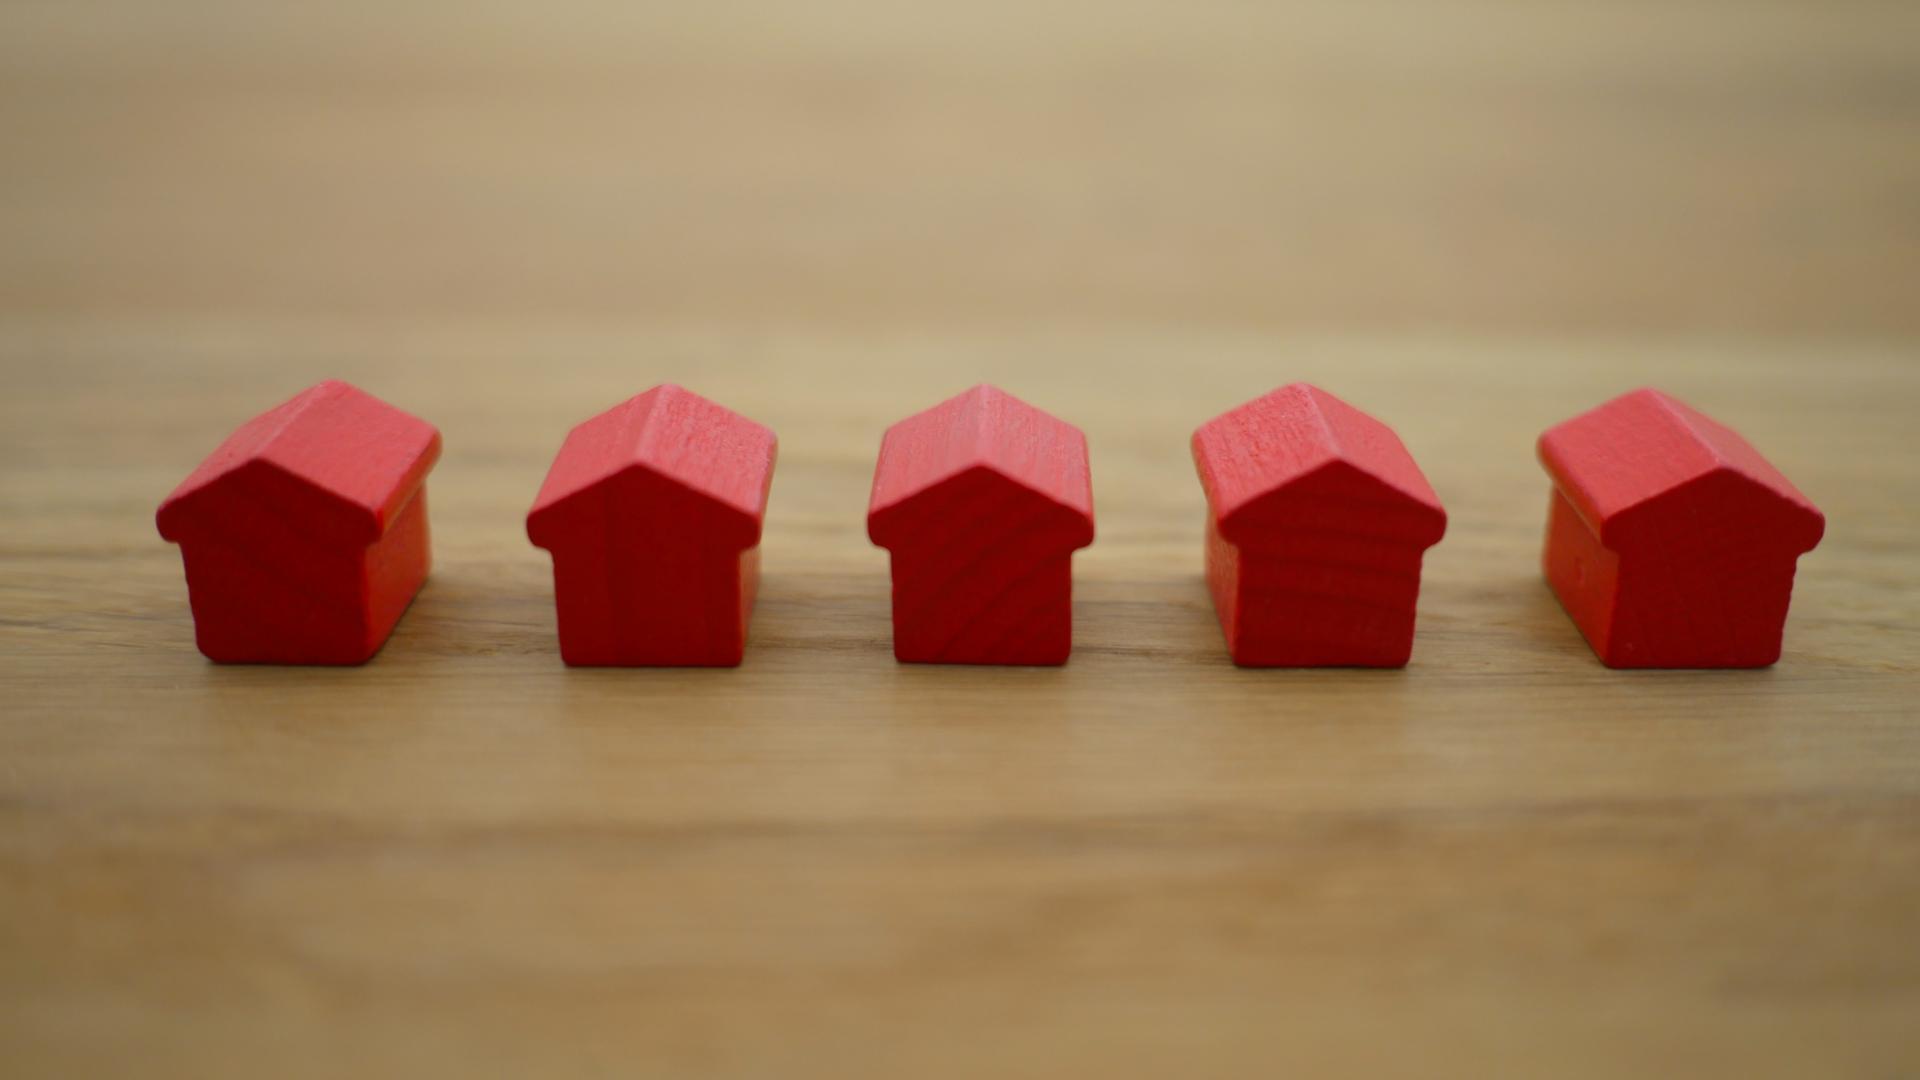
[1314,394]
[983,394]
[1679,411]
[303,403]
[636,427]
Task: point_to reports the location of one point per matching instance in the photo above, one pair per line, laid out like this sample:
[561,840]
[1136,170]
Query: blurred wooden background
[1471,217]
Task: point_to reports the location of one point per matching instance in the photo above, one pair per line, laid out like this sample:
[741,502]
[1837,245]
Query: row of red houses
[1671,542]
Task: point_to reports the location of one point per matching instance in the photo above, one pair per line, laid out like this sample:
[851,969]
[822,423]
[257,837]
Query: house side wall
[640,581]
[1708,591]
[631,607]
[1584,575]
[982,573]
[262,594]
[1313,599]
[1724,611]
[264,591]
[1223,581]
[395,568]
[1013,607]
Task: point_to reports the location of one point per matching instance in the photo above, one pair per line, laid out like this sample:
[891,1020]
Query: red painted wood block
[1317,522]
[1670,541]
[653,511]
[305,534]
[982,501]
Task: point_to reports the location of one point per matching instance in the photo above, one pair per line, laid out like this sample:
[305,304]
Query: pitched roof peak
[363,454]
[983,427]
[1281,438]
[1644,445]
[676,434]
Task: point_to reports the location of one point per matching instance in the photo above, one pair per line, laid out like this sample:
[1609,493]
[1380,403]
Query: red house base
[710,601]
[996,613]
[1305,604]
[1658,614]
[244,615]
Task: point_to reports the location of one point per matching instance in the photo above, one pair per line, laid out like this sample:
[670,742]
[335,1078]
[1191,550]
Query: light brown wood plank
[1529,166]
[1473,219]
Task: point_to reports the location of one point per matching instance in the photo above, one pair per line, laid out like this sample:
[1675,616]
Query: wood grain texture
[1473,219]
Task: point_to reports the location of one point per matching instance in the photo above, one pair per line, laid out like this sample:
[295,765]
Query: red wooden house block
[982,501]
[305,534]
[1670,541]
[1317,522]
[653,511]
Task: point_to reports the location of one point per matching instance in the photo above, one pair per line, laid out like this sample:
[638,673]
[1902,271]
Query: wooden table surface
[1471,218]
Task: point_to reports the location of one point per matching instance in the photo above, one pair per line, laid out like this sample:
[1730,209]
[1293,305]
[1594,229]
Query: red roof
[676,435]
[988,429]
[334,460]
[1300,442]
[1621,463]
